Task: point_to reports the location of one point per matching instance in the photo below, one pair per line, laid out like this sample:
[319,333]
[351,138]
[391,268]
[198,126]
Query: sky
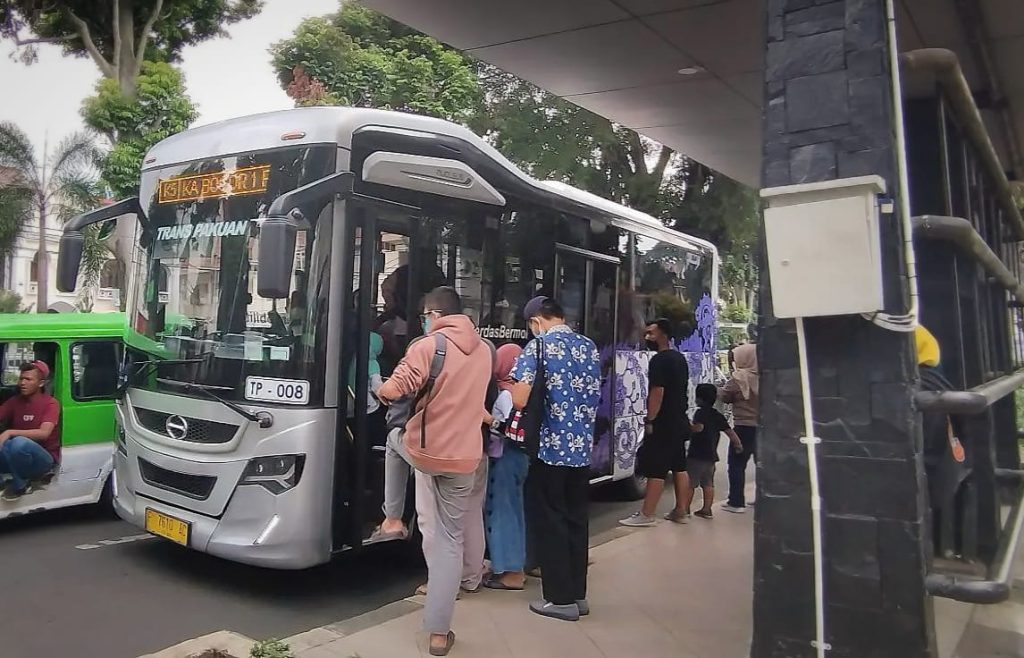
[225,77]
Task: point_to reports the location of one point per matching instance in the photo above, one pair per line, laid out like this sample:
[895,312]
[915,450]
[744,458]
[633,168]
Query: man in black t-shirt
[708,424]
[666,428]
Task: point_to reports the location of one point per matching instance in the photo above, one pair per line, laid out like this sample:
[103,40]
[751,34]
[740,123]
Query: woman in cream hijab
[741,391]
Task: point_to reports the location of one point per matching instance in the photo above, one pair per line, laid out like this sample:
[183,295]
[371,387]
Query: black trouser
[557,499]
[738,464]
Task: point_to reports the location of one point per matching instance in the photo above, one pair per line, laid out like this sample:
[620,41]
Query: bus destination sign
[215,185]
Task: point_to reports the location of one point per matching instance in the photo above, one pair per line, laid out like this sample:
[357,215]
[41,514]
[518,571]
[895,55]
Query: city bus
[83,351]
[271,248]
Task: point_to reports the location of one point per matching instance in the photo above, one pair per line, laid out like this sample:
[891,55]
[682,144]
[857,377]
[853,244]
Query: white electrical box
[823,247]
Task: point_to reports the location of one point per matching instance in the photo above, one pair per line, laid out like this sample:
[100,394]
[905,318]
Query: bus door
[586,285]
[387,288]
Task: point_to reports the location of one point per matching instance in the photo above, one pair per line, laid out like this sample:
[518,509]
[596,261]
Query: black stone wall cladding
[828,115]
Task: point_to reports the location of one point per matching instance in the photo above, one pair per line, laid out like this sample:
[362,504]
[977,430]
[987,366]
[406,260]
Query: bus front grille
[198,487]
[196,430]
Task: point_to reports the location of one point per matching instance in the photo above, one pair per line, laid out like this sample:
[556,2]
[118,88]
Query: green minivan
[83,351]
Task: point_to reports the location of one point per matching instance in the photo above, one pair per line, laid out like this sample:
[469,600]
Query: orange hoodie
[455,415]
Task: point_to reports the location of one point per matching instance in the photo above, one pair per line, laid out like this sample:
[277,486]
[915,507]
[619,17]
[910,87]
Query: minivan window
[94,369]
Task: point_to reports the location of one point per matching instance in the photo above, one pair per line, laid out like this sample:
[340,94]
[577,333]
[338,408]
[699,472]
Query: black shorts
[660,455]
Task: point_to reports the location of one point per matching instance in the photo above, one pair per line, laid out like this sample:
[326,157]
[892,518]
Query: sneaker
[563,612]
[638,520]
[11,494]
[704,515]
[583,606]
[676,517]
[735,510]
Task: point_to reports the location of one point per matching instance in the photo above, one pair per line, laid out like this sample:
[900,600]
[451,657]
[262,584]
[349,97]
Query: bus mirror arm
[276,251]
[72,240]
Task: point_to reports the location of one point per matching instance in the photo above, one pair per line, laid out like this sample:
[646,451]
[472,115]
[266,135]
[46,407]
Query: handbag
[524,426]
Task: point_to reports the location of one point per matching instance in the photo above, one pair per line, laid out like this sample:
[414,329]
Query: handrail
[960,232]
[993,590]
[974,401]
[945,66]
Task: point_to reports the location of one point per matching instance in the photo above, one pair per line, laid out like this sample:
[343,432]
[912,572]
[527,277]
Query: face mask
[651,345]
[426,325]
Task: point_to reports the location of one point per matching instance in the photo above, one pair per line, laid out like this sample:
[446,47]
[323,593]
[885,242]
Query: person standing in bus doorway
[30,447]
[666,428]
[741,391]
[557,486]
[444,443]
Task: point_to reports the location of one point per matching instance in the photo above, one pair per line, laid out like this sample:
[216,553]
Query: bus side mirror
[69,258]
[72,240]
[276,256]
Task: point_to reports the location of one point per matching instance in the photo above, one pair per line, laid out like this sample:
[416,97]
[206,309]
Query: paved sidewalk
[679,591]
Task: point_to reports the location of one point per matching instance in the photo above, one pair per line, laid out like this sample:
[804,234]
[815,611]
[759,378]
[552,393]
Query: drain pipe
[811,442]
[945,66]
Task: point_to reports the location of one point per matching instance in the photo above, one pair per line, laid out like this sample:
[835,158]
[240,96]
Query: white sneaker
[638,520]
[735,510]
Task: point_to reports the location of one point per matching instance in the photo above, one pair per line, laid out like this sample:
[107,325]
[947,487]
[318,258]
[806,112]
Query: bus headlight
[121,440]
[276,474]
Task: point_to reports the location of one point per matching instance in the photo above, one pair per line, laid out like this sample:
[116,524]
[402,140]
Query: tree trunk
[42,265]
[126,57]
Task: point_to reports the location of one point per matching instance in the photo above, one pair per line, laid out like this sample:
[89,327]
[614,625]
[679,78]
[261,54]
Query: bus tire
[633,487]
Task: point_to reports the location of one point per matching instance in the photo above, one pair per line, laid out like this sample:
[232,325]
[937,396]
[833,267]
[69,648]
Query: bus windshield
[194,284]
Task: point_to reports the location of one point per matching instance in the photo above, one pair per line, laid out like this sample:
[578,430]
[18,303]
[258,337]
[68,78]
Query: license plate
[167,527]
[270,389]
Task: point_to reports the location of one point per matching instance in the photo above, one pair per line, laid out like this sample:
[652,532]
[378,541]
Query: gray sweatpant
[449,508]
[396,475]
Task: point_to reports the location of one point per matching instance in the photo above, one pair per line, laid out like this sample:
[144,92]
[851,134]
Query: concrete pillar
[828,114]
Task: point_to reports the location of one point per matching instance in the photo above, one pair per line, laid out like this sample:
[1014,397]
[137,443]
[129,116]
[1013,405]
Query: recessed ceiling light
[690,70]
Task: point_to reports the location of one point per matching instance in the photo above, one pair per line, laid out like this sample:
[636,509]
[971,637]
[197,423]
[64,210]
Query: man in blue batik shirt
[557,486]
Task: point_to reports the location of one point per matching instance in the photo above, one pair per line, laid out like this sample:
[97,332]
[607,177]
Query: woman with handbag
[504,518]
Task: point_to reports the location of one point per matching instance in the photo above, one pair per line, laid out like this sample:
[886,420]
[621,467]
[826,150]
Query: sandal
[379,535]
[495,582]
[443,651]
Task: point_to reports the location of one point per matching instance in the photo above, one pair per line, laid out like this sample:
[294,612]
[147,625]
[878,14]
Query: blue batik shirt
[572,372]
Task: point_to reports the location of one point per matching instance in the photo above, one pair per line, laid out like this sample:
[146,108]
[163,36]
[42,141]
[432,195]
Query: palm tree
[59,186]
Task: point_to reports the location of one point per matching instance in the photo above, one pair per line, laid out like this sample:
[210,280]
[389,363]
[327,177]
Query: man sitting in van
[30,446]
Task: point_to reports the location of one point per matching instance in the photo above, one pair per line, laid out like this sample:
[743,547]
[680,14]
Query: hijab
[746,374]
[504,361]
[928,353]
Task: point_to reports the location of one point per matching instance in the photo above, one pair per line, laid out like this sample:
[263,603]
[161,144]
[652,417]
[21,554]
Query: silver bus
[280,264]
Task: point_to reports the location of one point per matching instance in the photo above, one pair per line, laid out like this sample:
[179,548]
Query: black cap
[532,308]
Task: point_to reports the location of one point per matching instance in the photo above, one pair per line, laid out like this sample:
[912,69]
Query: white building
[21,273]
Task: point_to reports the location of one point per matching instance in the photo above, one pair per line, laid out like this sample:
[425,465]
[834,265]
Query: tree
[131,126]
[59,186]
[10,302]
[15,209]
[119,35]
[364,59]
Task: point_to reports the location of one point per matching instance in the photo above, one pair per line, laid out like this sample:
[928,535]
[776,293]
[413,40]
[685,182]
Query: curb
[231,643]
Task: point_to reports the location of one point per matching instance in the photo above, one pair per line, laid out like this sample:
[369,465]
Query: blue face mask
[426,325]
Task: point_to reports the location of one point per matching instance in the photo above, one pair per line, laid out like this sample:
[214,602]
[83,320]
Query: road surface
[77,584]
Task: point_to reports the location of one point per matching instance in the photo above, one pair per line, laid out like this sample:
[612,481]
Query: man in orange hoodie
[444,442]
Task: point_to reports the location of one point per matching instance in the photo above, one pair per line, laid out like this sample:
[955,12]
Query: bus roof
[43,326]
[327,125]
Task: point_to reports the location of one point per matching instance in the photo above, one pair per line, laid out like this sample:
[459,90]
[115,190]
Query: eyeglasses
[427,314]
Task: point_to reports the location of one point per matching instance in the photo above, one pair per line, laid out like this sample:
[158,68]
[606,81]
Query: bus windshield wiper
[264,420]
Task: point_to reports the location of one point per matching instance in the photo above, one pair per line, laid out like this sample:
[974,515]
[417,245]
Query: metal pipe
[974,401]
[945,66]
[995,589]
[960,232]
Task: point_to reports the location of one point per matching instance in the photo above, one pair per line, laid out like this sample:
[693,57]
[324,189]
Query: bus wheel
[632,487]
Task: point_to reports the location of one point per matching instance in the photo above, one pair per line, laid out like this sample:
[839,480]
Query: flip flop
[443,651]
[496,583]
[379,535]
